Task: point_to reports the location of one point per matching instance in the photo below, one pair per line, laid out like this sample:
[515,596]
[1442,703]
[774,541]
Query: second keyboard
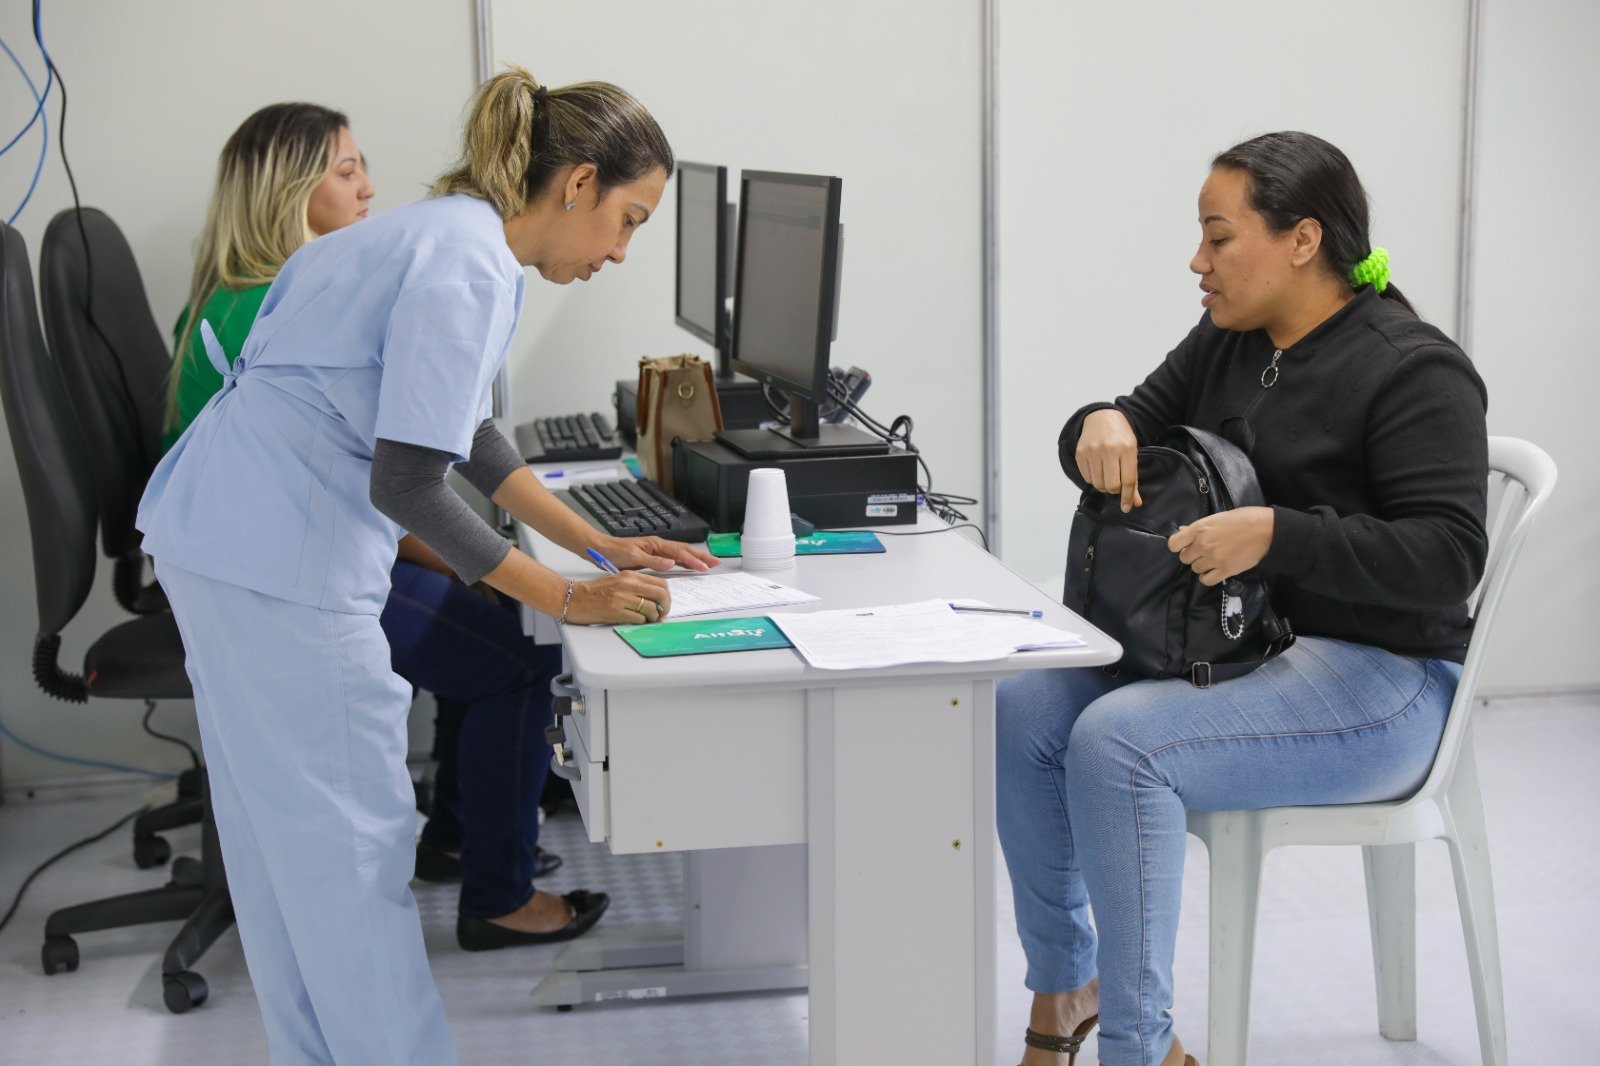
[567,439]
[634,508]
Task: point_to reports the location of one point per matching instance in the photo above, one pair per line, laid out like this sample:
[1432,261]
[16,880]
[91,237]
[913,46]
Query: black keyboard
[634,508]
[568,439]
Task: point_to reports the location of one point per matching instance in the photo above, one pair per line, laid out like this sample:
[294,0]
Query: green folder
[703,636]
[822,542]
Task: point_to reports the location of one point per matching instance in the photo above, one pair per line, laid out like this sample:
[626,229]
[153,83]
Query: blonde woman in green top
[289,174]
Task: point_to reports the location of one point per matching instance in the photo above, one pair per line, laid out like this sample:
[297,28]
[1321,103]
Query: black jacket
[1372,450]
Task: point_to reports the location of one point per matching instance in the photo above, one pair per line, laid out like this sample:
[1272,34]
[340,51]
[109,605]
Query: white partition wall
[1107,126]
[155,91]
[884,95]
[1536,318]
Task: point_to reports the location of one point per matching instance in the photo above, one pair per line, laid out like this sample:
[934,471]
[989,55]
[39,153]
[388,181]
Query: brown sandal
[1062,1045]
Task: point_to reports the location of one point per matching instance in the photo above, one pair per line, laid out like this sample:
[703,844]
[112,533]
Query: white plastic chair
[1449,806]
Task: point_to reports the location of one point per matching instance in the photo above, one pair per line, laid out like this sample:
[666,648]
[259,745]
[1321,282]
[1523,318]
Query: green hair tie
[1373,270]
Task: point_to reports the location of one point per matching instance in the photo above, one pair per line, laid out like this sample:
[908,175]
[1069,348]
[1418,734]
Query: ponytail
[520,135]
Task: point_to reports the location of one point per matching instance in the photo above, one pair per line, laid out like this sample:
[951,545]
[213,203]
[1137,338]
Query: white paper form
[738,591]
[926,632]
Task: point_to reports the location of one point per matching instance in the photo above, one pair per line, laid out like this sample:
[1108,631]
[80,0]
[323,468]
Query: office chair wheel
[187,870]
[59,953]
[183,991]
[150,851]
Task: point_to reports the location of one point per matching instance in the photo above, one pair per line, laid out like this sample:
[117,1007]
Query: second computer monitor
[784,304]
[702,282]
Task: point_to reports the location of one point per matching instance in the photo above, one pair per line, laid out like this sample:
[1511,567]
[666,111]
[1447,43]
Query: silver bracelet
[565,603]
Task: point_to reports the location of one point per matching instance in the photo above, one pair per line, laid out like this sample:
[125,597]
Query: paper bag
[677,399]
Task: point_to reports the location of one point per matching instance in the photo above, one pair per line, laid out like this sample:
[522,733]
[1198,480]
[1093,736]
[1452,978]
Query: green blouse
[231,314]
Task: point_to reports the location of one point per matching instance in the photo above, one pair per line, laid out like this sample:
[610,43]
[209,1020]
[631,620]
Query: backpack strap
[1230,465]
[1203,675]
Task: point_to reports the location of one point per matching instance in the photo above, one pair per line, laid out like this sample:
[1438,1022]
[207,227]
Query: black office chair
[141,659]
[115,367]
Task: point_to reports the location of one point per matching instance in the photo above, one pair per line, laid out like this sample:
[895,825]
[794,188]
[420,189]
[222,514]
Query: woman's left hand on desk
[655,553]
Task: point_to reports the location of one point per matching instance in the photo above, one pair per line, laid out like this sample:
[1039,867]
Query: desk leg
[900,823]
[744,930]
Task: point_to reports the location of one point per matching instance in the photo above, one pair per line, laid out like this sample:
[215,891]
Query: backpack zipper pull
[1266,381]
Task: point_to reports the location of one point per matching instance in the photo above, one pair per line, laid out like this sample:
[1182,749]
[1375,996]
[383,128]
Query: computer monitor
[784,303]
[705,254]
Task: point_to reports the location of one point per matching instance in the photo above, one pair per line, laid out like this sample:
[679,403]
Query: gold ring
[640,608]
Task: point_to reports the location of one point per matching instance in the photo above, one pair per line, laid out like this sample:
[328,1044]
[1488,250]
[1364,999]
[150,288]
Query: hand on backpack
[1225,544]
[1108,456]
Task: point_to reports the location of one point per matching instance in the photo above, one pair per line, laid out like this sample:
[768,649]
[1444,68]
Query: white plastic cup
[766,507]
[768,539]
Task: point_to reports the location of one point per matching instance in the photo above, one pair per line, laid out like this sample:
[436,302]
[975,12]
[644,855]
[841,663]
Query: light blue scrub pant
[304,728]
[1095,774]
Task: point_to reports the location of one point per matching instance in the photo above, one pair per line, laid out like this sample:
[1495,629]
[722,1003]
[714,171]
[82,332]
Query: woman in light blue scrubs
[274,521]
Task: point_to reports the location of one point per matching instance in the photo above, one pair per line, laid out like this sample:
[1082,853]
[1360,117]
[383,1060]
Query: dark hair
[520,135]
[1295,176]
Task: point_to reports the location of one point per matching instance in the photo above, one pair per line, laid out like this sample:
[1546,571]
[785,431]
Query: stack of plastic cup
[768,540]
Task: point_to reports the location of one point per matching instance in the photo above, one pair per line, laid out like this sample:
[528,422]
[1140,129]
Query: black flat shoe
[439,867]
[480,934]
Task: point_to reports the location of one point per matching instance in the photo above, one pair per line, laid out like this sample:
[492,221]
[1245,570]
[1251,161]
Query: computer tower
[830,491]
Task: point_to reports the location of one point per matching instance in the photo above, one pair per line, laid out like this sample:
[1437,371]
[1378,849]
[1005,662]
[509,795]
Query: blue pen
[964,609]
[602,562]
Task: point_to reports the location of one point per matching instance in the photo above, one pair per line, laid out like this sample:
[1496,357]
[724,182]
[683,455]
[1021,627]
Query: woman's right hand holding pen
[650,553]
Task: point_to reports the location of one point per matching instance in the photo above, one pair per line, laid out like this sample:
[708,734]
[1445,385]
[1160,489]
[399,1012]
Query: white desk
[839,825]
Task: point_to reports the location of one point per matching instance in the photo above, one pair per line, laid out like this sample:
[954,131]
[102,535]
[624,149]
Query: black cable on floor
[150,709]
[63,853]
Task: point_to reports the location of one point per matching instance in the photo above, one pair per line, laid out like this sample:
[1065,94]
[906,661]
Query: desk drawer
[695,769]
[589,788]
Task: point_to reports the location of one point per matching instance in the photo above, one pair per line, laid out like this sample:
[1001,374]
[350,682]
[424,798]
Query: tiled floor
[1313,1002]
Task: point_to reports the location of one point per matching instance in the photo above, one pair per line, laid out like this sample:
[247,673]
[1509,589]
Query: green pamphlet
[822,542]
[703,637]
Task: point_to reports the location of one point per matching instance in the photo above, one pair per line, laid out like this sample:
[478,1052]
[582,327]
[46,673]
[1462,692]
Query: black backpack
[1122,578]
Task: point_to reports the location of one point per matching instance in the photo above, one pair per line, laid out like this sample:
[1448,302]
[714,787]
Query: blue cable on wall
[44,126]
[6,732]
[44,147]
[39,109]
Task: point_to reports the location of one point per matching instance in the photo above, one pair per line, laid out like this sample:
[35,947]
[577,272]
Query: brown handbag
[677,400]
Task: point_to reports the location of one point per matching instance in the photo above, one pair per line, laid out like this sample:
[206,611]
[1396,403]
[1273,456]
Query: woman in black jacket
[1366,428]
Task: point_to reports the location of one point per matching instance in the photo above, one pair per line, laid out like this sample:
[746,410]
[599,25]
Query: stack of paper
[738,591]
[927,632]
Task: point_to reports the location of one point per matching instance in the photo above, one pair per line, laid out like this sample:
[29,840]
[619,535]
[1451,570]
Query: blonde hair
[257,217]
[519,135]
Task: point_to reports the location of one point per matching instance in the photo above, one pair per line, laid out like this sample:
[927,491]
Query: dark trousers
[493,686]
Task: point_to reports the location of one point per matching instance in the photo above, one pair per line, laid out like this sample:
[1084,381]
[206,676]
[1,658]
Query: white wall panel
[884,95]
[155,90]
[1109,116]
[1536,318]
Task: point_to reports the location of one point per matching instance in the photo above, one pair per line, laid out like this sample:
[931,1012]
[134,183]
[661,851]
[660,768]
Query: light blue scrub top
[395,328]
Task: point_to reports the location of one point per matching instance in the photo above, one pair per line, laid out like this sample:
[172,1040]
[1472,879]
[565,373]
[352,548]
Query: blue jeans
[1095,774]
[448,640]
